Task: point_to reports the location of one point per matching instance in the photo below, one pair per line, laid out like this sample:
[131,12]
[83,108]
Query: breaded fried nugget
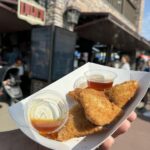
[77,125]
[97,107]
[122,93]
[74,95]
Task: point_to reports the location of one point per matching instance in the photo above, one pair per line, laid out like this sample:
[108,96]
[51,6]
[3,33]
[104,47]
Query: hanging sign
[31,12]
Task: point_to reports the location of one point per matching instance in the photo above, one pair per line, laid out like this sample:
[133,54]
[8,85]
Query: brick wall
[55,10]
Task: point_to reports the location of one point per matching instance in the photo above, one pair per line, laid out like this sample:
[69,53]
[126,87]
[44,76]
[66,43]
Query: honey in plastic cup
[100,79]
[47,112]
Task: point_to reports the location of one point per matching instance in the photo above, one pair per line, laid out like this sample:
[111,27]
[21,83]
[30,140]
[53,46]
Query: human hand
[122,129]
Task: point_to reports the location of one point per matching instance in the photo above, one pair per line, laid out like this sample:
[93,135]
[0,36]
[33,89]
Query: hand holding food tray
[63,86]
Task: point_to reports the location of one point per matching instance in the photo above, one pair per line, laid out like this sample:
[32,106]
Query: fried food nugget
[122,93]
[77,125]
[97,107]
[74,95]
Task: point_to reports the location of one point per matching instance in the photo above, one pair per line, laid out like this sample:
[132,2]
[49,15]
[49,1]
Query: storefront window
[129,11]
[118,4]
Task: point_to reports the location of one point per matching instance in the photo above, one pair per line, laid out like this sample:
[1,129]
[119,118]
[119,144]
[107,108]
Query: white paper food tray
[64,85]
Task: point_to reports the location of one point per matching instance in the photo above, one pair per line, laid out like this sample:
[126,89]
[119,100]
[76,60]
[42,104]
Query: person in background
[125,62]
[146,99]
[24,76]
[147,68]
[19,65]
[81,60]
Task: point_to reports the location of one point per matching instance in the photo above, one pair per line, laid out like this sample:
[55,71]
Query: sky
[146,21]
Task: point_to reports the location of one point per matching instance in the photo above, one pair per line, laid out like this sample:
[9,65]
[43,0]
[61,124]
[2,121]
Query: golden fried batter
[97,107]
[74,95]
[122,93]
[77,125]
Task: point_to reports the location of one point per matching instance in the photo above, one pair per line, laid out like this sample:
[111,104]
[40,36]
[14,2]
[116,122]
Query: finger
[107,144]
[132,116]
[122,129]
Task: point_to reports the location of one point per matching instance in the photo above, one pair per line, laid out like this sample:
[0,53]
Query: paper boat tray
[64,85]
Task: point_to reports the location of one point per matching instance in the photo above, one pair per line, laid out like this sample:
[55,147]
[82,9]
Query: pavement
[137,138]
[6,123]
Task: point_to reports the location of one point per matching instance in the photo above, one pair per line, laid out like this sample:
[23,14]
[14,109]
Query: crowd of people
[123,62]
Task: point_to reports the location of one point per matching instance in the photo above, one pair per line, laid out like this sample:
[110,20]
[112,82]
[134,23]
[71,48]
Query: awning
[107,29]
[9,21]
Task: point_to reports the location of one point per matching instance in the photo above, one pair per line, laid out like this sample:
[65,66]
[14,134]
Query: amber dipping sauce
[45,126]
[100,86]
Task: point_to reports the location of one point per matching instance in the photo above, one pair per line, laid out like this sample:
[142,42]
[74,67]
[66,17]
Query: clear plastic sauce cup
[47,112]
[100,79]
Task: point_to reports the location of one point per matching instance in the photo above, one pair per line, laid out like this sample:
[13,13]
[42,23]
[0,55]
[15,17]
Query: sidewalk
[137,138]
[6,123]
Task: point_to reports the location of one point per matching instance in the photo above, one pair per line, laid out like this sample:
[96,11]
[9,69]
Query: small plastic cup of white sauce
[47,112]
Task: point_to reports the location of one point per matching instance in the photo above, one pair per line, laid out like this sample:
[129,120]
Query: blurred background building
[74,32]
